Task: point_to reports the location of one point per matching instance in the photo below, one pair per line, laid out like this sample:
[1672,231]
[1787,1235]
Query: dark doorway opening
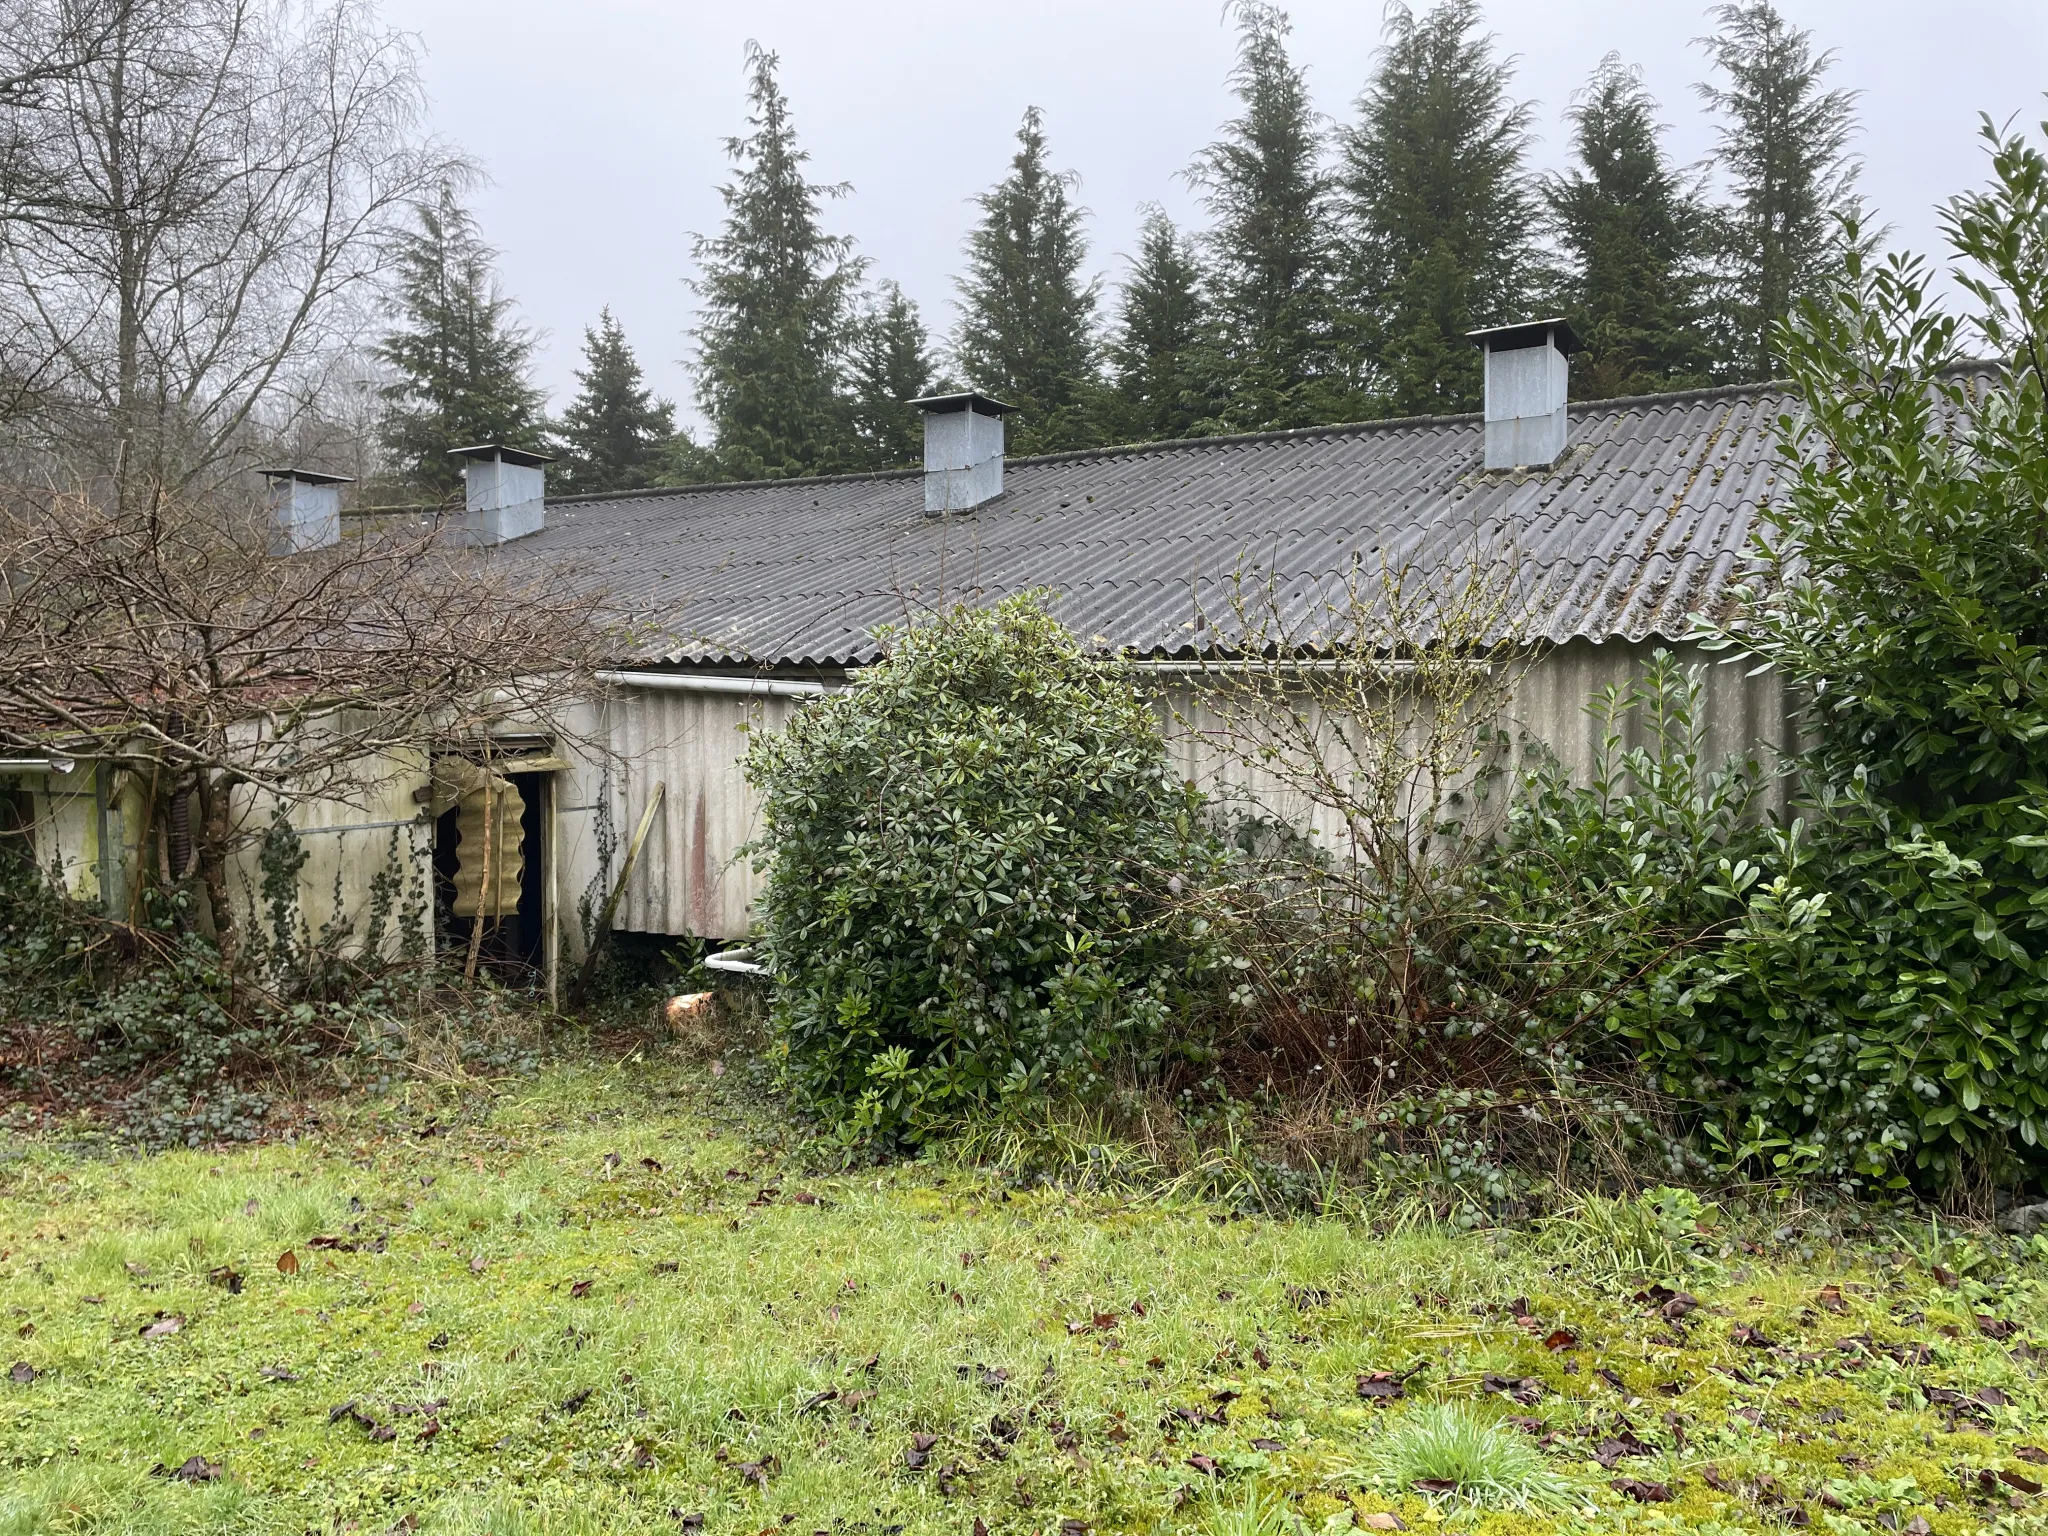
[516,945]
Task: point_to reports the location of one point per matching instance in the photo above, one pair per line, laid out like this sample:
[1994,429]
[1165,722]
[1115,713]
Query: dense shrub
[1910,560]
[1867,991]
[970,859]
[1656,909]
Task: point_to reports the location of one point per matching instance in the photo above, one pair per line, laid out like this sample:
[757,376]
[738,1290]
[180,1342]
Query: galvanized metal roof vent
[503,493]
[305,509]
[1527,378]
[963,450]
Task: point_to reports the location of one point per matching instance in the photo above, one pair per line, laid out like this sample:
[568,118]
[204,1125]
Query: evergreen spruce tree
[615,434]
[460,359]
[1439,210]
[1027,314]
[1160,349]
[889,362]
[1634,235]
[1269,248]
[1784,150]
[777,291]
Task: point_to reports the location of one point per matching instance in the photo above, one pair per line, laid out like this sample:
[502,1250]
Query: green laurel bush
[973,858]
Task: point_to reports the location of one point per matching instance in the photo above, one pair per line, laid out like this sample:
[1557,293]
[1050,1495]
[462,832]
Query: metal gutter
[1288,666]
[688,682]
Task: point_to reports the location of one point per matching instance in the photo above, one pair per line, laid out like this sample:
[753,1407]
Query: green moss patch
[601,1305]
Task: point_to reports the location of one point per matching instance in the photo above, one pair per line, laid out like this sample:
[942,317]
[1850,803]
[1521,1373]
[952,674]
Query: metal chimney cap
[307,476]
[1529,333]
[522,456]
[966,400]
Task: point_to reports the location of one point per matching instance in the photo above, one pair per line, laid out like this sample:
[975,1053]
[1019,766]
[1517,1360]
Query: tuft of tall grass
[1656,1235]
[1449,1452]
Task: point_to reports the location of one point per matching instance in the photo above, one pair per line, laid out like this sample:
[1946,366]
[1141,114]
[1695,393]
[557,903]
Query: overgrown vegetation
[971,857]
[1423,949]
[148,1030]
[1907,567]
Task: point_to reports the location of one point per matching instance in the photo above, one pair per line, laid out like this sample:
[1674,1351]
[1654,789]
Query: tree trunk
[210,852]
[128,282]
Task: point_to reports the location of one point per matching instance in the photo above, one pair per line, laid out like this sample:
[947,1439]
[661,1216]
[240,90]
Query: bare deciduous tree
[1359,732]
[43,43]
[170,634]
[199,205]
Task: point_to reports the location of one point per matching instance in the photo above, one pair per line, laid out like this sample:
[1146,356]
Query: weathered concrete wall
[85,823]
[348,842]
[90,824]
[690,879]
[1743,714]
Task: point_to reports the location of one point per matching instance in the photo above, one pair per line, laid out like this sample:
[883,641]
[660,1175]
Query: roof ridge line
[1617,403]
[642,491]
[1160,445]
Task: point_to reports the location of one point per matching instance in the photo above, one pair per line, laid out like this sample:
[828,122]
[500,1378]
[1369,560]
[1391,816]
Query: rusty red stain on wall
[703,910]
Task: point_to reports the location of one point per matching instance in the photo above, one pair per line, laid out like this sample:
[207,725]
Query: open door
[491,857]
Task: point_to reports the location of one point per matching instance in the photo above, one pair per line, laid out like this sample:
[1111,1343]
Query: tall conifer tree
[1160,351]
[1026,311]
[1634,236]
[1440,210]
[615,433]
[889,362]
[1269,248]
[1784,148]
[777,292]
[460,358]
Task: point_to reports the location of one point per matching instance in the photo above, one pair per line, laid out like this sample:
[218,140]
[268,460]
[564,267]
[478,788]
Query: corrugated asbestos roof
[1644,523]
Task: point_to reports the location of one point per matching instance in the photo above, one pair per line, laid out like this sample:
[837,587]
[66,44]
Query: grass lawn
[605,1301]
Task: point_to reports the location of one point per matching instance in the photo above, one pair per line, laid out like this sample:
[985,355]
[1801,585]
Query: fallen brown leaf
[197,1469]
[1642,1492]
[1612,1449]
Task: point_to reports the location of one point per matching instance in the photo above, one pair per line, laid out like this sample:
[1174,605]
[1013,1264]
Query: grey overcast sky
[601,122]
